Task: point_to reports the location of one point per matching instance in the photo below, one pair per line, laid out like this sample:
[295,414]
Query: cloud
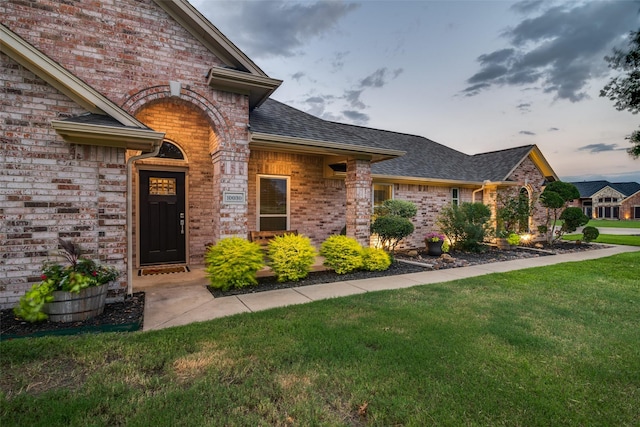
[599,148]
[297,76]
[525,107]
[561,49]
[353,98]
[356,117]
[379,77]
[337,63]
[275,28]
[553,129]
[526,132]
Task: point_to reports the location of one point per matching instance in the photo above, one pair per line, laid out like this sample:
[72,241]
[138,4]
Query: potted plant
[67,293]
[434,242]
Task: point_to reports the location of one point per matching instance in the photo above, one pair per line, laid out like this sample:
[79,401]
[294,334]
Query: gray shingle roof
[424,158]
[589,188]
[97,119]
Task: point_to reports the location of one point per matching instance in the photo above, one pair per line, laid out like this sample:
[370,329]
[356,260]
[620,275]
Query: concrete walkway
[182,298]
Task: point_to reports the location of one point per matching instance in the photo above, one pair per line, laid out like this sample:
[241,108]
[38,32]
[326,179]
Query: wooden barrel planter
[72,307]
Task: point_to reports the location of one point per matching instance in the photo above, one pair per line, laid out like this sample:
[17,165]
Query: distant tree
[624,89]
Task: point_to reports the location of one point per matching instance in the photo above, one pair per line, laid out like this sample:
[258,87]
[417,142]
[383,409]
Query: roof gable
[588,189]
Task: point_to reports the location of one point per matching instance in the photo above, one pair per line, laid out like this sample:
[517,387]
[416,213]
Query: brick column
[358,185]
[230,174]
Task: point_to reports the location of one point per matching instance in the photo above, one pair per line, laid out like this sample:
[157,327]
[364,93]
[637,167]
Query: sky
[476,76]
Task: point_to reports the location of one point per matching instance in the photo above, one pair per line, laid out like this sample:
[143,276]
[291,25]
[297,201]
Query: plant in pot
[67,293]
[434,242]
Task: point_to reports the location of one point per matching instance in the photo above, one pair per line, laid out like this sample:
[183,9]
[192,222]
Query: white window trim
[455,200]
[288,214]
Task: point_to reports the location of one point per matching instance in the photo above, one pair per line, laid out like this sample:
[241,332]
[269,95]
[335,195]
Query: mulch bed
[460,259]
[123,316]
[128,315]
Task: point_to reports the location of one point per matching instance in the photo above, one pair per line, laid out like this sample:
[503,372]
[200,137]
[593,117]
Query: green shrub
[233,263]
[375,259]
[573,218]
[291,257]
[396,207]
[589,234]
[465,225]
[513,239]
[343,254]
[391,229]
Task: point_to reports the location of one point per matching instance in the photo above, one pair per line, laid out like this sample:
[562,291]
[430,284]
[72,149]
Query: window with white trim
[455,196]
[382,192]
[273,203]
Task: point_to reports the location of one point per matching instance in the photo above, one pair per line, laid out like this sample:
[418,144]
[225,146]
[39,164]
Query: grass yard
[614,224]
[557,345]
[611,239]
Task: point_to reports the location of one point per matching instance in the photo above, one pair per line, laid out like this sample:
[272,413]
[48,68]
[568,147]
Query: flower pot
[502,244]
[73,307]
[435,248]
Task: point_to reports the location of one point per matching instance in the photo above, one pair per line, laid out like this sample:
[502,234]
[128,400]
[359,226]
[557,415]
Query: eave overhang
[311,146]
[258,88]
[57,76]
[416,180]
[144,140]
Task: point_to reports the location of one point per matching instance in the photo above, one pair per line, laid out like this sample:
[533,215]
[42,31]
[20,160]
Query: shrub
[391,229]
[589,234]
[375,259]
[396,207]
[291,257]
[573,218]
[465,225]
[233,263]
[513,239]
[343,254]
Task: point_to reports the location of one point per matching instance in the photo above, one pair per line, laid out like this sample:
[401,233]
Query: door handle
[182,226]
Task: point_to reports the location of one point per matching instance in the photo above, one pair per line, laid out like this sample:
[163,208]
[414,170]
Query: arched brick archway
[223,155]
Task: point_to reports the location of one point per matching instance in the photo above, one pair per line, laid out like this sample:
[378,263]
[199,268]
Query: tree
[624,89]
[466,225]
[555,197]
[392,222]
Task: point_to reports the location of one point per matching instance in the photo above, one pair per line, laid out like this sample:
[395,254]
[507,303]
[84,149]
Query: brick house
[138,130]
[608,200]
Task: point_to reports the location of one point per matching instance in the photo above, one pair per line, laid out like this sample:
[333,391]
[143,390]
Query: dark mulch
[119,314]
[460,259]
[132,309]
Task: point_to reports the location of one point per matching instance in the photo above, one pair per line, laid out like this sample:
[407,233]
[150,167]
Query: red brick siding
[317,204]
[50,189]
[627,208]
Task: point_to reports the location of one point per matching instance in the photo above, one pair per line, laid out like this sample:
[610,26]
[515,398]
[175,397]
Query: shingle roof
[424,158]
[589,188]
[97,119]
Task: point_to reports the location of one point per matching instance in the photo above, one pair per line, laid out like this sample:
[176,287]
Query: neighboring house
[607,200]
[138,130]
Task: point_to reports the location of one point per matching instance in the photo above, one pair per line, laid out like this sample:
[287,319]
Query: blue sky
[476,76]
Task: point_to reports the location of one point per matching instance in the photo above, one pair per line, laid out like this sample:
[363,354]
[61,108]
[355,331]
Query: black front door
[162,217]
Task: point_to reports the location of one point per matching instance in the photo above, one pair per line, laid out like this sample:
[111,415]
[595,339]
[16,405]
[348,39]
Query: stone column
[230,175]
[358,184]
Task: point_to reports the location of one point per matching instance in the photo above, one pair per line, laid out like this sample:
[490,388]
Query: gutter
[484,184]
[156,149]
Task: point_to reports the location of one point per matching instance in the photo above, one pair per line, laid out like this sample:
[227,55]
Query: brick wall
[50,189]
[317,204]
[628,207]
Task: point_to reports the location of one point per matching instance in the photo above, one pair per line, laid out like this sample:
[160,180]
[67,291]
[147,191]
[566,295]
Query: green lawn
[614,224]
[612,239]
[557,345]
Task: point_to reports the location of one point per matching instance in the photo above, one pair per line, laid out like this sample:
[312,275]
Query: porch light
[525,238]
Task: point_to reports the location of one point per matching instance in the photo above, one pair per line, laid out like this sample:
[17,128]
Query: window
[162,186]
[170,151]
[381,192]
[273,203]
[455,196]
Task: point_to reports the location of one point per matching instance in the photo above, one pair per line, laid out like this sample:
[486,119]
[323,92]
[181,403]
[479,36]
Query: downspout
[473,195]
[156,149]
